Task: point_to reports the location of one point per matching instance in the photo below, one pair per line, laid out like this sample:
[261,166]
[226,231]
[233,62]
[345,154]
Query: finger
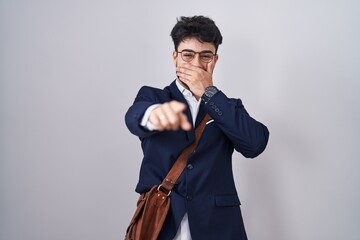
[183,77]
[173,120]
[177,107]
[192,73]
[211,65]
[183,83]
[192,68]
[157,119]
[162,115]
[209,68]
[183,74]
[187,70]
[153,119]
[184,122]
[163,118]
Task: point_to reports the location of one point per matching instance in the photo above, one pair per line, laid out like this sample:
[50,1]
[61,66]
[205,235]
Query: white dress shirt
[183,232]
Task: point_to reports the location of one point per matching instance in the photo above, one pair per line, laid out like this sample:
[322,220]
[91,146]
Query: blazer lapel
[200,115]
[178,96]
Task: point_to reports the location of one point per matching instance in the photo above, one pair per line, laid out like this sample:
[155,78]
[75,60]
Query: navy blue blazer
[205,189]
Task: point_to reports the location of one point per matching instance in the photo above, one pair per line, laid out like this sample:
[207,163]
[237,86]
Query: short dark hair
[200,27]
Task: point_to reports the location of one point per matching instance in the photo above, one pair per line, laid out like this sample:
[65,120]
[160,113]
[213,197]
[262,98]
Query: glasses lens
[206,57]
[187,56]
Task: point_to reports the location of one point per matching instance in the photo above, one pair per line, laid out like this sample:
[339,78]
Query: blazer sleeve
[145,98]
[249,136]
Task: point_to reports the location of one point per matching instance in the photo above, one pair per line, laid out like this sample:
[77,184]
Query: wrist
[210,91]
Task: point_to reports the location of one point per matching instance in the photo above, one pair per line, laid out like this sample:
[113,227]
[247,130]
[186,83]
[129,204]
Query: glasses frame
[191,51]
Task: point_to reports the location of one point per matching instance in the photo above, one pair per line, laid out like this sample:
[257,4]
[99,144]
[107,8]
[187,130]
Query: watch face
[205,97]
[210,91]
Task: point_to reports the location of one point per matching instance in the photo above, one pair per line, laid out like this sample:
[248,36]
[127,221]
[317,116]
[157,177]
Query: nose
[196,61]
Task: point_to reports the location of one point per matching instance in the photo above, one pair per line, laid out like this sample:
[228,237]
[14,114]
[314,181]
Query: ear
[216,58]
[174,55]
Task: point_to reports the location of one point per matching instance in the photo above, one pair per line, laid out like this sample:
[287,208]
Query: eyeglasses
[189,55]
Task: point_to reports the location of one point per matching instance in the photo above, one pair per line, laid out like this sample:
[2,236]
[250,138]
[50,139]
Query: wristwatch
[209,92]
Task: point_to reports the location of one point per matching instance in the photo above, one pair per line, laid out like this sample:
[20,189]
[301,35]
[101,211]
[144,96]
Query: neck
[183,84]
[187,87]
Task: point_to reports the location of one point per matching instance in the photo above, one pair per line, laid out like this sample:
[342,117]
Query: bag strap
[180,163]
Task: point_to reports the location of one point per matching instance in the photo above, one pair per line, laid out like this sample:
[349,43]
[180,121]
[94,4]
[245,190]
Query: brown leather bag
[153,206]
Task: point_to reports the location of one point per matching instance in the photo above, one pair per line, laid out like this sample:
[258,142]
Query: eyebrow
[190,50]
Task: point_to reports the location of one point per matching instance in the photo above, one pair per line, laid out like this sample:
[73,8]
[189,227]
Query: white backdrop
[70,69]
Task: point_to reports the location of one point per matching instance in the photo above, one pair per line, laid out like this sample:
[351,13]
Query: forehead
[195,45]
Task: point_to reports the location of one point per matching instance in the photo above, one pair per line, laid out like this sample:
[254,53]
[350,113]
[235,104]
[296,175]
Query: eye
[206,56]
[188,54]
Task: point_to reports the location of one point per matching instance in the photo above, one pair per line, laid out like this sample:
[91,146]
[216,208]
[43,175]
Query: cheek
[178,61]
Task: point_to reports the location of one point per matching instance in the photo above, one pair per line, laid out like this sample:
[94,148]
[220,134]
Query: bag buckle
[162,188]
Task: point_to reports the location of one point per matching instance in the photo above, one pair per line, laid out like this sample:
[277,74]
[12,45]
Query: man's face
[192,44]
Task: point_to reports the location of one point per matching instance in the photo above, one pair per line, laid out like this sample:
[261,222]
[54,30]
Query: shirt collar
[182,89]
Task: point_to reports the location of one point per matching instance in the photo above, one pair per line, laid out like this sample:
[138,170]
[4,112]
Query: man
[204,201]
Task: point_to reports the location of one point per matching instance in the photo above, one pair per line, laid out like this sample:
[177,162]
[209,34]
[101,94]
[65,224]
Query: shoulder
[237,101]
[152,93]
[149,89]
[221,97]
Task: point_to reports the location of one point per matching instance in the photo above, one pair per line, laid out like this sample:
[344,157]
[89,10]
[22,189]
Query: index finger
[177,107]
[192,67]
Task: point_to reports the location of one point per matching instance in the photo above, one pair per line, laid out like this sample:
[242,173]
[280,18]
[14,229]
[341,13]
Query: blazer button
[188,197]
[190,166]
